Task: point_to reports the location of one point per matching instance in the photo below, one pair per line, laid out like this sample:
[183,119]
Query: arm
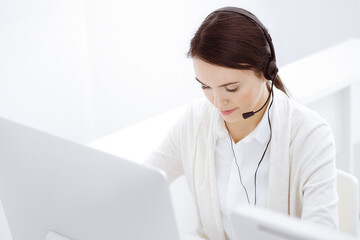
[318,177]
[167,156]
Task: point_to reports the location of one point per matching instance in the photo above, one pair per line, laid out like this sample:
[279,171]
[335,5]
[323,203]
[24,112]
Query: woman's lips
[228,112]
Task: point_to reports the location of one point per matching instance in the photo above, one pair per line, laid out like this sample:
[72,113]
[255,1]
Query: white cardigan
[302,173]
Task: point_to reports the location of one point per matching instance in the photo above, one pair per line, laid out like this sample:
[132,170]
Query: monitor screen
[52,188]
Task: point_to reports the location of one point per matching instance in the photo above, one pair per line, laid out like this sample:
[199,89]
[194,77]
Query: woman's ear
[263,79]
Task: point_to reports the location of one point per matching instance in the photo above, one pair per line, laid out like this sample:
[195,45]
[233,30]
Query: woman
[248,143]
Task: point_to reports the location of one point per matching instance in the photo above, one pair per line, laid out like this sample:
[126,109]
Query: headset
[270,73]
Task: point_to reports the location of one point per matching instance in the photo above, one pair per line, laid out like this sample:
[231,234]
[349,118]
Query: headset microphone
[248,114]
[252,113]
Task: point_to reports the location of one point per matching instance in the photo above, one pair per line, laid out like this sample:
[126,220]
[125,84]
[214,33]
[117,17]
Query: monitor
[257,223]
[55,189]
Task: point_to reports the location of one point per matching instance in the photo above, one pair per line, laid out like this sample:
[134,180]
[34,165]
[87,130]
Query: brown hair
[232,40]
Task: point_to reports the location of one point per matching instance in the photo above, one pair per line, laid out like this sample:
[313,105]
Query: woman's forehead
[210,74]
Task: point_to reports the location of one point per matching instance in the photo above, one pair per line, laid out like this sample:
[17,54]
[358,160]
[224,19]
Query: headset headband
[271,69]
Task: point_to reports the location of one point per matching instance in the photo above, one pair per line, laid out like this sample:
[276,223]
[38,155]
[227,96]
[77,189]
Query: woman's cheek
[247,98]
[244,97]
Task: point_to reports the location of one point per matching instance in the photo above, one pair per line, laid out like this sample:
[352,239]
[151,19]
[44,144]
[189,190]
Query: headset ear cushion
[271,70]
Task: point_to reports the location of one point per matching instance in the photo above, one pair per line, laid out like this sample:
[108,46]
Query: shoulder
[307,136]
[307,123]
[200,106]
[302,119]
[301,125]
[197,111]
[311,138]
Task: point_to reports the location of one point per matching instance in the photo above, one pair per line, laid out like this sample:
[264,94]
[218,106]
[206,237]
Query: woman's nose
[219,100]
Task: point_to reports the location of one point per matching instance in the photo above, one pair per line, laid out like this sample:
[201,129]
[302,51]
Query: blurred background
[84,69]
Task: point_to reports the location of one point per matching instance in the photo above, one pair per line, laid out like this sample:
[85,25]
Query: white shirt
[248,153]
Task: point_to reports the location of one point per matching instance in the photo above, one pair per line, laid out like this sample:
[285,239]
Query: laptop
[55,189]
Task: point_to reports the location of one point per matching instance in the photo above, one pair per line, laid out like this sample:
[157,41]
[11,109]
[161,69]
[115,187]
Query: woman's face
[232,91]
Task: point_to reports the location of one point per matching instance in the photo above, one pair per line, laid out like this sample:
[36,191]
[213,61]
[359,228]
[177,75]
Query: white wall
[44,78]
[356,115]
[83,69]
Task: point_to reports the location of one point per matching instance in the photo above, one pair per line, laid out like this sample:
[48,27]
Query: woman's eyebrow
[224,85]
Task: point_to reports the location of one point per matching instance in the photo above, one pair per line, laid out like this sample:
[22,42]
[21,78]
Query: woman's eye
[232,89]
[204,87]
